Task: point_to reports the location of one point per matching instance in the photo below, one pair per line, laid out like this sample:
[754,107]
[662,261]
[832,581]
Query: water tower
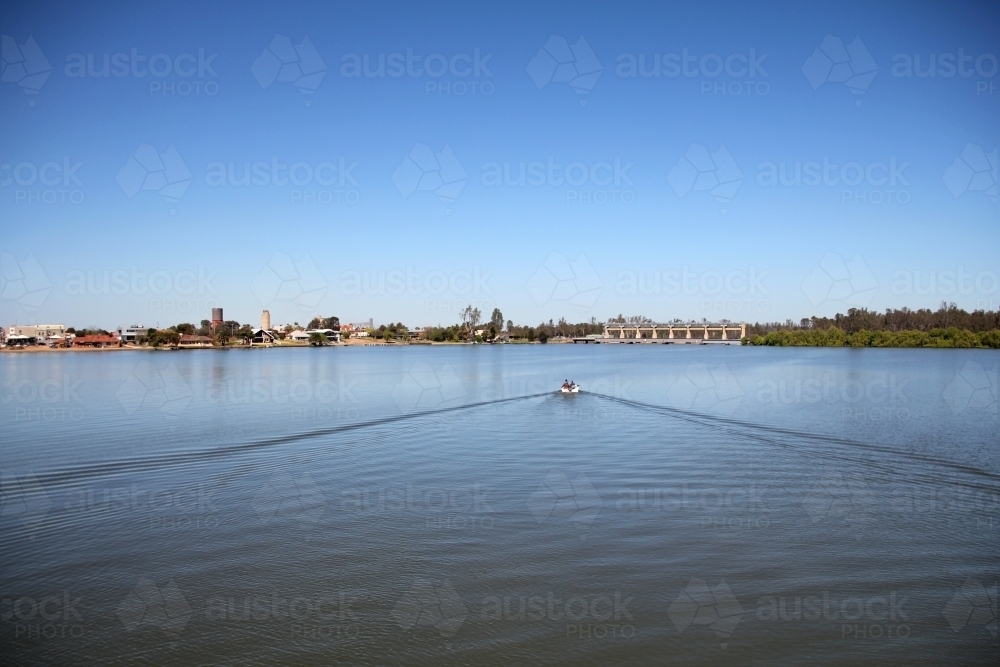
[216,318]
[265,321]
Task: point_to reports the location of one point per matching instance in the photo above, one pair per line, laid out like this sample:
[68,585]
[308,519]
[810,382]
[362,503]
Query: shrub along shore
[948,326]
[836,337]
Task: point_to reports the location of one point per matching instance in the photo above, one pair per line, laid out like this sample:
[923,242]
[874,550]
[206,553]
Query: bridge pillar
[688,332]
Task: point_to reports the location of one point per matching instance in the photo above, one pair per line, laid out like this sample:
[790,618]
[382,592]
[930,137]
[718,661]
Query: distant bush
[835,337]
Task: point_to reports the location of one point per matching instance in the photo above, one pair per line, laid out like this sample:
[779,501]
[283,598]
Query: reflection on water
[444,506]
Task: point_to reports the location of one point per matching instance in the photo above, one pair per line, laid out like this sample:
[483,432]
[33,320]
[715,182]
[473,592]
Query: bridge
[664,334]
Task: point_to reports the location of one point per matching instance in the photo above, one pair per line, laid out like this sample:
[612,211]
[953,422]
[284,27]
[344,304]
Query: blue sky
[393,207]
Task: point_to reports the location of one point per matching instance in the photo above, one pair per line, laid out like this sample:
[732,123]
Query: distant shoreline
[38,349]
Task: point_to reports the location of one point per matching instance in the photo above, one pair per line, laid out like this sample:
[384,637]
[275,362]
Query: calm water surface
[434,506]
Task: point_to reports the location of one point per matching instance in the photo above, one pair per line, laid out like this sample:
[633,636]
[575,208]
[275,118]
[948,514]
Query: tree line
[948,326]
[893,319]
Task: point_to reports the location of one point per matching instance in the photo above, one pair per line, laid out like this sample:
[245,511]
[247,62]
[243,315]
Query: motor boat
[571,388]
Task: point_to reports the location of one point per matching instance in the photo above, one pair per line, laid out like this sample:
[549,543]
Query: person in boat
[566,384]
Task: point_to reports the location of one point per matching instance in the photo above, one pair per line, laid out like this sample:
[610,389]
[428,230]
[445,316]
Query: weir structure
[726,333]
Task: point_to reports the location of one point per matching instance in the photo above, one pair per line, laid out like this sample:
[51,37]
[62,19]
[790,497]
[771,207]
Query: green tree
[320,322]
[222,337]
[496,320]
[470,318]
[245,333]
[316,338]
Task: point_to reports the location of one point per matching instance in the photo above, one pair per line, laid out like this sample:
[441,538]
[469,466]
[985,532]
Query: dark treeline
[948,315]
[551,329]
[496,330]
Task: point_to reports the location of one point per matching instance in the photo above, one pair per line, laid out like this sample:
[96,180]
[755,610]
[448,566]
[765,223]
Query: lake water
[438,506]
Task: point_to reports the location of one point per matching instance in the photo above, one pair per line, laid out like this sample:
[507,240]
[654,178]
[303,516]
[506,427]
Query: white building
[330,334]
[38,331]
[262,337]
[133,333]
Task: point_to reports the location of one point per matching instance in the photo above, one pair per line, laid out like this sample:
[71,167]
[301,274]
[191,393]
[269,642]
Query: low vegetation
[948,326]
